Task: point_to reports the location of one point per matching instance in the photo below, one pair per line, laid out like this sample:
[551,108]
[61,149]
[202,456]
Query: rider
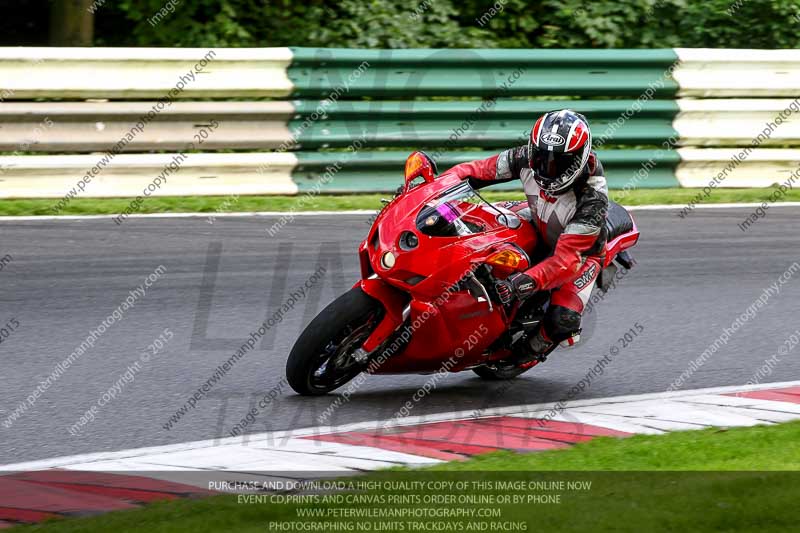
[568,198]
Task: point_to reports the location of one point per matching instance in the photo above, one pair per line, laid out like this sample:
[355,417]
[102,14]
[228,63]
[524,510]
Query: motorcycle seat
[618,221]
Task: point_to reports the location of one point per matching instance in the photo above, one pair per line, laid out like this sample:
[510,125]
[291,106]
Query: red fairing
[393,301]
[446,328]
[482,169]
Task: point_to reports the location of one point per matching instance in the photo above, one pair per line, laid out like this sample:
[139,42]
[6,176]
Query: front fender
[393,300]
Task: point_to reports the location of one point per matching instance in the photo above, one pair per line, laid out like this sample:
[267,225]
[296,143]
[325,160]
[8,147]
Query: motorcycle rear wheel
[499,372]
[321,359]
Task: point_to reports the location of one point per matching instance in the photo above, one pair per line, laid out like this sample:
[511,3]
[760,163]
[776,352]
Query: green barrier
[319,72]
[483,99]
[383,171]
[484,124]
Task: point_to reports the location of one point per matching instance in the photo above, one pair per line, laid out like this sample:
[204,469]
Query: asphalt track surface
[694,277]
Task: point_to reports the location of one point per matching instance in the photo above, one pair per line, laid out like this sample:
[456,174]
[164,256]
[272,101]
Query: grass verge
[222,204]
[742,479]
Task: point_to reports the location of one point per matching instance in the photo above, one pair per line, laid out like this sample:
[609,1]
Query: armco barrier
[315,103]
[130,174]
[382,171]
[122,73]
[272,173]
[712,72]
[318,73]
[96,126]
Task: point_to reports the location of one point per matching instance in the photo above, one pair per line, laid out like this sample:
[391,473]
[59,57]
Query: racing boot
[531,348]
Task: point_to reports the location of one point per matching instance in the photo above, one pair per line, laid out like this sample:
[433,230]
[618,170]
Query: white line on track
[193,215]
[659,207]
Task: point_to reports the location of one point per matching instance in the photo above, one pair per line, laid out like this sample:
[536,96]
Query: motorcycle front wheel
[322,358]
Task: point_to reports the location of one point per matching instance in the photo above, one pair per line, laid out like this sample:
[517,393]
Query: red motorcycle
[426,301]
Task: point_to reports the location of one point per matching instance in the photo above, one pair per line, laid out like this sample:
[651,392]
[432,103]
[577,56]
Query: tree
[72,22]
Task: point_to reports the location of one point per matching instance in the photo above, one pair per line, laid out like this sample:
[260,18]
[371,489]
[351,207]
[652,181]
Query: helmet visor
[556,167]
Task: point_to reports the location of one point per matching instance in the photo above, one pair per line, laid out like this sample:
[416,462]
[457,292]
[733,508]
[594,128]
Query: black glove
[516,285]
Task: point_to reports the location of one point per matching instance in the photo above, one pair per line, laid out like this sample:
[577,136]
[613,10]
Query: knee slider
[561,323]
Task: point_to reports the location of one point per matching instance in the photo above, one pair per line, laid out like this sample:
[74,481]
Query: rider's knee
[561,323]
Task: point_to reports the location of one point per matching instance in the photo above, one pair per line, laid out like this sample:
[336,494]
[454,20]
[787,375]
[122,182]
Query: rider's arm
[583,236]
[501,167]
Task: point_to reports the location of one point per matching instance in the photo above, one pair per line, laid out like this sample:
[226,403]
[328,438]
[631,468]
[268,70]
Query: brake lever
[473,279]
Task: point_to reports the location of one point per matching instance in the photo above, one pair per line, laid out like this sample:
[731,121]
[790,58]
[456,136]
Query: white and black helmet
[558,149]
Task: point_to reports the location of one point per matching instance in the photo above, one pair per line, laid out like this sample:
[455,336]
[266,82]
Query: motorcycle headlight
[408,241]
[387,260]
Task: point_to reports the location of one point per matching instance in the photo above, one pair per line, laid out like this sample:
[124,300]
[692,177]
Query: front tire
[321,359]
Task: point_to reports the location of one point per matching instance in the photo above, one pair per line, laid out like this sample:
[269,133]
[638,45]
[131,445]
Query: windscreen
[452,214]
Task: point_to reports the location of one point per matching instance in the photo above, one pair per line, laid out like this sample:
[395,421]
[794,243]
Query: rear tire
[499,372]
[321,359]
